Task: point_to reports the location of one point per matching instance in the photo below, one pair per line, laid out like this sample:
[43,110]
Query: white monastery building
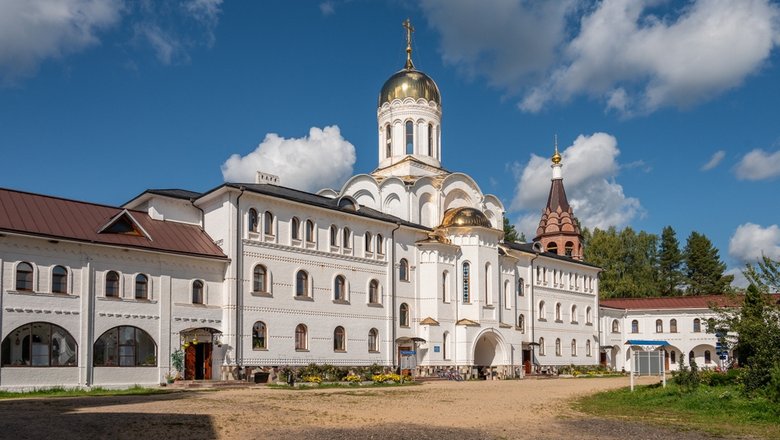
[404,267]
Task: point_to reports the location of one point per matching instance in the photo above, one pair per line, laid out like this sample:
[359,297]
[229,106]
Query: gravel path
[528,409]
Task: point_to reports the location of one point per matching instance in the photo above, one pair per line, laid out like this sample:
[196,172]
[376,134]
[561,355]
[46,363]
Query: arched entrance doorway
[198,346]
[488,354]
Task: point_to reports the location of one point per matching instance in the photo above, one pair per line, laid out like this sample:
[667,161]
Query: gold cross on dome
[409,29]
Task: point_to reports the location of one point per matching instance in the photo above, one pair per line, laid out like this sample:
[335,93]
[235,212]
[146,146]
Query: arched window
[403,270]
[388,140]
[260,279]
[347,238]
[707,357]
[339,339]
[39,344]
[574,314]
[588,316]
[430,139]
[403,315]
[520,287]
[635,326]
[334,235]
[268,223]
[59,280]
[711,323]
[24,277]
[409,131]
[141,286]
[125,346]
[368,242]
[373,292]
[521,323]
[301,283]
[673,326]
[615,326]
[259,336]
[587,348]
[697,325]
[340,288]
[444,342]
[466,283]
[542,316]
[380,244]
[574,347]
[568,248]
[310,231]
[301,337]
[445,283]
[373,341]
[253,220]
[558,346]
[552,248]
[197,292]
[673,357]
[541,347]
[659,326]
[558,312]
[295,228]
[112,284]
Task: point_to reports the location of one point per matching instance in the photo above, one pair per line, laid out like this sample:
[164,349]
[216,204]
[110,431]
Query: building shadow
[73,418]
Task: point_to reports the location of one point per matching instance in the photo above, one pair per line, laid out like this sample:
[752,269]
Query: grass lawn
[719,410]
[74,392]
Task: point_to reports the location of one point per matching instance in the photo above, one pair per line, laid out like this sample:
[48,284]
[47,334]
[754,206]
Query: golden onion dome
[409,83]
[556,159]
[464,216]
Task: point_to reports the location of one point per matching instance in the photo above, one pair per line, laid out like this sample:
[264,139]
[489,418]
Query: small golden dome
[409,83]
[464,216]
[556,159]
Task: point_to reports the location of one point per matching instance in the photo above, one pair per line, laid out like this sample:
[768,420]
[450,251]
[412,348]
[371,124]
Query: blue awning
[648,342]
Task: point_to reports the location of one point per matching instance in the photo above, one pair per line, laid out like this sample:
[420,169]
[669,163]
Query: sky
[666,112]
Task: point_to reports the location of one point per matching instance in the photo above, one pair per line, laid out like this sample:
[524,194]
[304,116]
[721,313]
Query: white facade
[684,328]
[404,267]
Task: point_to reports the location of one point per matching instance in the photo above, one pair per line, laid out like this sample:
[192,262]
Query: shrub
[687,379]
[773,388]
[353,378]
[312,379]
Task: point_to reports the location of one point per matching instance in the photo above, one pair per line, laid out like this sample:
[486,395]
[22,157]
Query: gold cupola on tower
[409,82]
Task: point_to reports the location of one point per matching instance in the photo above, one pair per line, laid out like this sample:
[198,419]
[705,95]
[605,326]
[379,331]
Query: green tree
[511,234]
[670,262]
[628,259]
[766,272]
[703,267]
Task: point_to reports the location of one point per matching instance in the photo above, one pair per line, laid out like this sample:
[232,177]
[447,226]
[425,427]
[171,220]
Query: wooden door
[527,361]
[189,362]
[207,349]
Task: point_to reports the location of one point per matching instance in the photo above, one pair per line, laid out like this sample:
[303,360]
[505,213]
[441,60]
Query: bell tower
[409,120]
[559,230]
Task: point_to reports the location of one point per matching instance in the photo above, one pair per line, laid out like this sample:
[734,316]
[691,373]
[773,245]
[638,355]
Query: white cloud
[714,160]
[739,278]
[589,170]
[323,159]
[167,48]
[750,241]
[758,165]
[327,8]
[617,51]
[32,31]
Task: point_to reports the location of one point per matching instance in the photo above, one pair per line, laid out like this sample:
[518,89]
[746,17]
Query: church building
[405,267]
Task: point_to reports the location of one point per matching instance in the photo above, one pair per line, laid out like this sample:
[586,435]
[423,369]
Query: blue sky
[102,99]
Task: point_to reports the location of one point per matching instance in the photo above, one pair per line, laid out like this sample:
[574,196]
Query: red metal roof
[671,302]
[56,218]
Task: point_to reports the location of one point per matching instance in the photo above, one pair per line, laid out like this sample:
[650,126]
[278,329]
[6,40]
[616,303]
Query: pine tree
[628,260]
[703,267]
[510,232]
[670,261]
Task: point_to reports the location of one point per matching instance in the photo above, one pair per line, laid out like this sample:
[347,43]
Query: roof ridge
[65,199]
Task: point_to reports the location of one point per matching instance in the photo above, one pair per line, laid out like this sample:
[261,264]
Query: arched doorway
[488,354]
[198,347]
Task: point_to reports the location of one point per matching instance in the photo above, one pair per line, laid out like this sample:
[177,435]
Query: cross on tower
[409,29]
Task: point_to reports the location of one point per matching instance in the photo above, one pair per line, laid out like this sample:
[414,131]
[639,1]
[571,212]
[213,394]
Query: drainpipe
[202,214]
[532,322]
[392,291]
[239,274]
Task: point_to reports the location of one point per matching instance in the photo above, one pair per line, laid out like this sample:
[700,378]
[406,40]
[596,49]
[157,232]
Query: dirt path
[529,409]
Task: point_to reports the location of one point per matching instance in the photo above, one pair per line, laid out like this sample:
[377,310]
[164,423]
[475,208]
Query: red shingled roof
[56,218]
